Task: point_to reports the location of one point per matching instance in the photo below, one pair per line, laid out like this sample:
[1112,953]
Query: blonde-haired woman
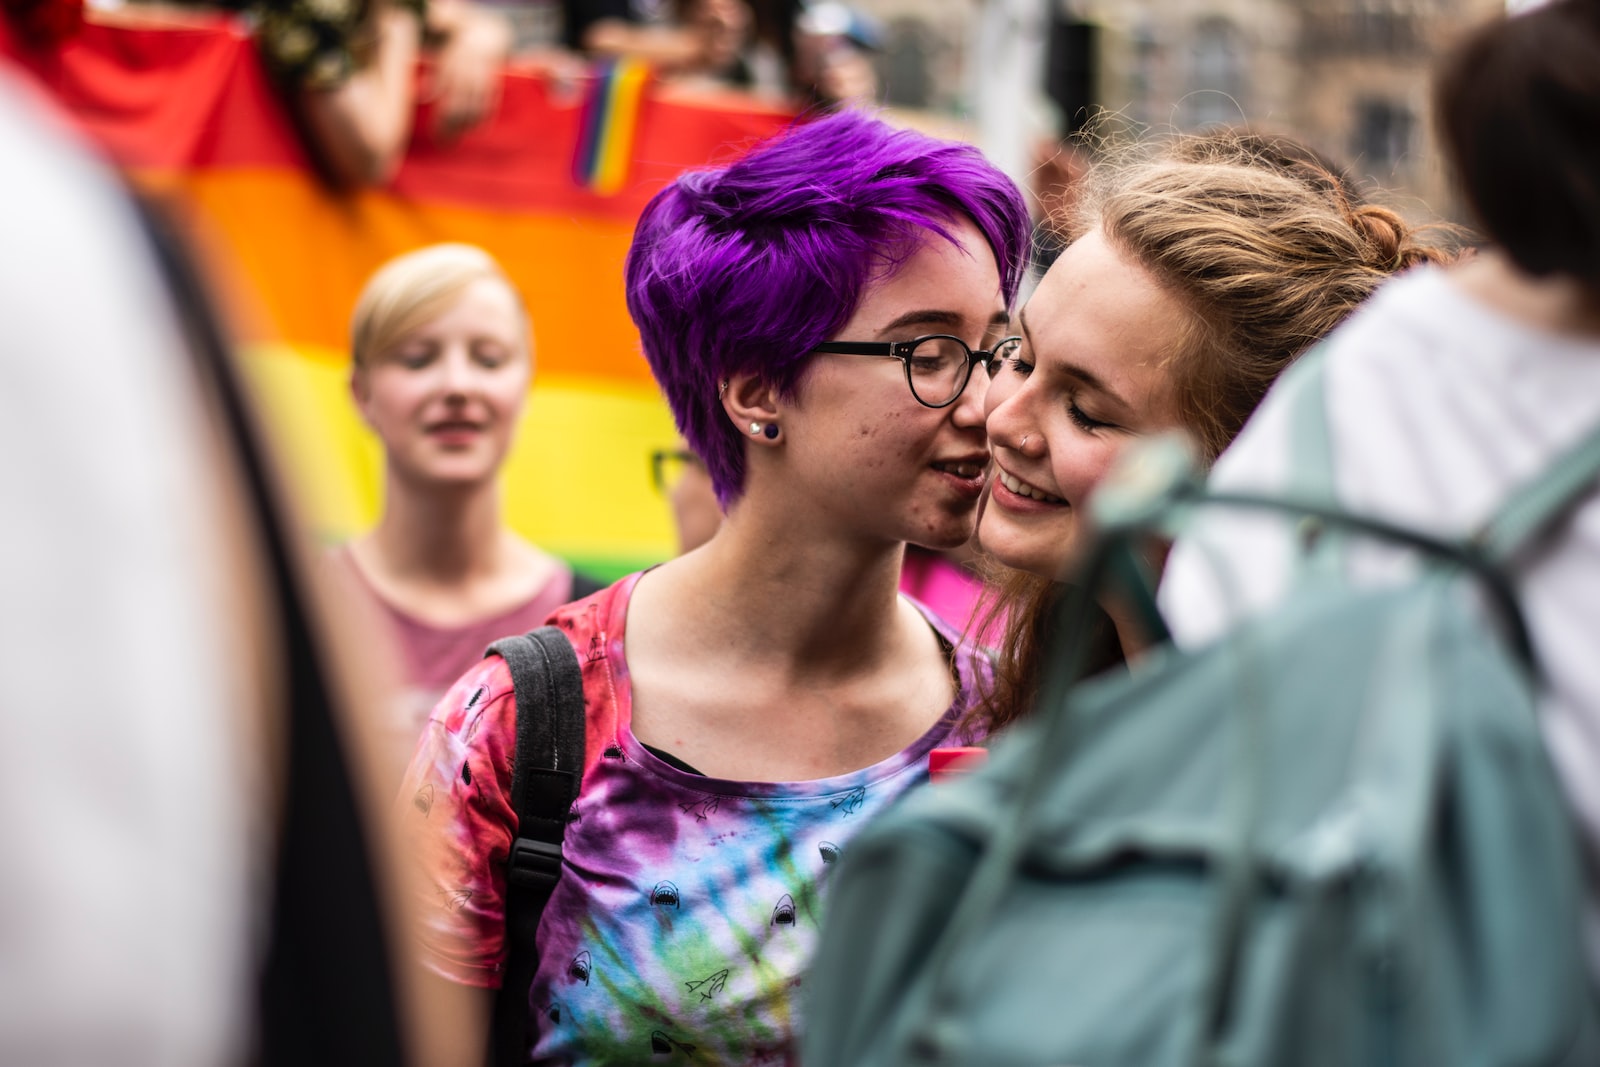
[1189,283]
[442,361]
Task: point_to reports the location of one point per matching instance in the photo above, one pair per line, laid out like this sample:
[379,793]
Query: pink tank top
[433,657]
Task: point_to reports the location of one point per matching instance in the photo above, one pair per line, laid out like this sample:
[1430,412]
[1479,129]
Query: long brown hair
[1268,251]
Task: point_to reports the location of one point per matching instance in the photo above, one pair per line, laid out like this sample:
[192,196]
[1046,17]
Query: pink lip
[970,488]
[1027,505]
[454,432]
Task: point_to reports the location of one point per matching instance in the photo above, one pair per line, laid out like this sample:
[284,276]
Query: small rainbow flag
[609,123]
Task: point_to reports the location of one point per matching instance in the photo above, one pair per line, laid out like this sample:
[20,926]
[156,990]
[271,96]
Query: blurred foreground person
[134,790]
[749,705]
[1454,387]
[442,360]
[190,874]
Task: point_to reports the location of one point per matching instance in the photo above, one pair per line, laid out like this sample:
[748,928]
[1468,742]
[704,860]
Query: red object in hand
[947,763]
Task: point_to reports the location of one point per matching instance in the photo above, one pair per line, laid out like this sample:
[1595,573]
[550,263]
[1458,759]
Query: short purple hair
[752,265]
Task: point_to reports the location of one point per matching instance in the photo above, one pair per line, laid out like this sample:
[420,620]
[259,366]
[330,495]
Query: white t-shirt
[1438,407]
[125,797]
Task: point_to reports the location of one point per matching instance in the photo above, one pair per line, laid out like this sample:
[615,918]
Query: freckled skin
[862,450]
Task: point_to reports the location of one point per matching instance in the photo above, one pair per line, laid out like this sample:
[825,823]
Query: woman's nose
[971,404]
[1008,424]
[458,375]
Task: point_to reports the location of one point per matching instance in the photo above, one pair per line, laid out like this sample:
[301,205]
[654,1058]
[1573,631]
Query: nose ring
[1024,442]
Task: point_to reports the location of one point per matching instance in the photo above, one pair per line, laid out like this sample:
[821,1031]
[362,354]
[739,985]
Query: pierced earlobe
[771,431]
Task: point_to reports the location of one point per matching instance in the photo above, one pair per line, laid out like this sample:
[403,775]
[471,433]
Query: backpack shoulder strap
[1536,506]
[1311,441]
[545,778]
[1322,548]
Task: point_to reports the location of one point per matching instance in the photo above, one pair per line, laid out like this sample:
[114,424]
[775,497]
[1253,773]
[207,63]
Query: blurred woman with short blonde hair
[442,361]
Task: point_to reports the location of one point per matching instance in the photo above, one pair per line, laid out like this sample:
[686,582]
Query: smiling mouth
[1022,488]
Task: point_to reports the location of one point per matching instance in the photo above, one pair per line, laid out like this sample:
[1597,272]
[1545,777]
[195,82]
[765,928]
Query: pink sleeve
[458,824]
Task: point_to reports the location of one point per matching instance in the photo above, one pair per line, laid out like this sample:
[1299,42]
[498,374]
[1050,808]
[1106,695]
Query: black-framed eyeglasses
[668,466]
[938,366]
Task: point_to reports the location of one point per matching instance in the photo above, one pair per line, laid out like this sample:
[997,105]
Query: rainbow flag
[609,125]
[190,116]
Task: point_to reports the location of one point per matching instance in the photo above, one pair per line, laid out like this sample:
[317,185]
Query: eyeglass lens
[668,466]
[940,366]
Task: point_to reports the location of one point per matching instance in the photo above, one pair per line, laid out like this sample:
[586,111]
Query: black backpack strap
[545,778]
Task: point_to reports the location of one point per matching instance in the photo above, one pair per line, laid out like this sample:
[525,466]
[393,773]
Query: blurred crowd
[346,67]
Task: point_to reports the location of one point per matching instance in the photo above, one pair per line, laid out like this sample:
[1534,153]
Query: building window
[1382,138]
[1363,27]
[1216,93]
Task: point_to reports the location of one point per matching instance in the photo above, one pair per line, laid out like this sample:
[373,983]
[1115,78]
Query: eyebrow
[939,317]
[1072,370]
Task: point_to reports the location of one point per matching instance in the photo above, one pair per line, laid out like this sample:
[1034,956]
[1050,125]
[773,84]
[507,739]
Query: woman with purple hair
[814,313]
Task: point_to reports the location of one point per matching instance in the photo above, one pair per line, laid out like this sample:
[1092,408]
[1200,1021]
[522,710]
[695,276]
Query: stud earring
[723,388]
[771,431]
[755,429]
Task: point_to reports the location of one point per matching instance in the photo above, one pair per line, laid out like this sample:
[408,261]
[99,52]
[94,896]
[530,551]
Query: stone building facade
[1350,77]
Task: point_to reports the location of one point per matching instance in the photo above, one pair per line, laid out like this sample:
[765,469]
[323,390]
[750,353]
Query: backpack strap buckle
[534,864]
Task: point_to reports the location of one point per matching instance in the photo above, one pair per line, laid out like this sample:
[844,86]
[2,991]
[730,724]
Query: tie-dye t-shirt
[687,909]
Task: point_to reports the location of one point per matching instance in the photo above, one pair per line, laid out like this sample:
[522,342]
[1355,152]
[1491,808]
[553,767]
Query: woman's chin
[450,478]
[944,539]
[1041,561]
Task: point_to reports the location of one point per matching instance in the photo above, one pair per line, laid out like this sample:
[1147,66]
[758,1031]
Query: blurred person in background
[347,68]
[191,874]
[680,476]
[1453,387]
[832,62]
[814,312]
[810,56]
[442,359]
[1189,282]
[695,37]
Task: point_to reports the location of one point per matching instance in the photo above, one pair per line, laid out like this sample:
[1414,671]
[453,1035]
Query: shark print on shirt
[687,909]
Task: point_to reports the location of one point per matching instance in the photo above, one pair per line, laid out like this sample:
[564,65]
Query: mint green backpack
[1334,837]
